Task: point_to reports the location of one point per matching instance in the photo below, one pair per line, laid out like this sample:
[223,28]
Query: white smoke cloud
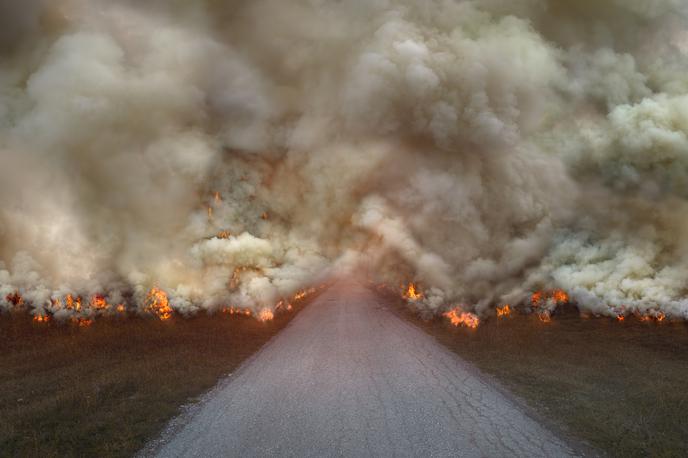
[231,154]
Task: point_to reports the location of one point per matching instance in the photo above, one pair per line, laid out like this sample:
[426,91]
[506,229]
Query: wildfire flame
[558,296]
[41,319]
[236,311]
[265,315]
[543,300]
[73,302]
[457,317]
[412,293]
[504,311]
[98,302]
[158,304]
[536,298]
[304,293]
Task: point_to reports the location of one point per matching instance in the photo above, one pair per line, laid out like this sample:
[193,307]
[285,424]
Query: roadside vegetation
[619,386]
[106,389]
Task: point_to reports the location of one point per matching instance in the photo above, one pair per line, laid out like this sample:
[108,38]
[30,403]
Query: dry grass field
[619,386]
[106,389]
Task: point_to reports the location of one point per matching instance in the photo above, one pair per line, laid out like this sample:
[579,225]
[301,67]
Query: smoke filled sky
[231,153]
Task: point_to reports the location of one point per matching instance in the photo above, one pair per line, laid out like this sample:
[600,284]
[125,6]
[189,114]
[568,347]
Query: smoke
[231,153]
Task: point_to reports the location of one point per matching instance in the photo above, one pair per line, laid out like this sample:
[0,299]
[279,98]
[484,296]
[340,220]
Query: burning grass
[104,388]
[617,384]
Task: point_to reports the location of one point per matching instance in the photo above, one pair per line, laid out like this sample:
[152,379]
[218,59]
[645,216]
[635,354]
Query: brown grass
[619,386]
[106,389]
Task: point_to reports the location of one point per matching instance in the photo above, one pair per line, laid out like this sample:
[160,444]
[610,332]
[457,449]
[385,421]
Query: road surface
[348,377]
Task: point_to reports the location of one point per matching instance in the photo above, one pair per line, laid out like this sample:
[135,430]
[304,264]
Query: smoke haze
[231,153]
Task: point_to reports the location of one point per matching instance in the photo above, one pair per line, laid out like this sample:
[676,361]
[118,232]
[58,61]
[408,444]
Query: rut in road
[349,378]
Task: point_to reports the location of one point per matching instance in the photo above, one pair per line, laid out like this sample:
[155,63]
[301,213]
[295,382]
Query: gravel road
[348,377]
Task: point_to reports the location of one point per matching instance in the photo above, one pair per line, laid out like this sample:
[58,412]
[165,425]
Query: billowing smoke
[231,153]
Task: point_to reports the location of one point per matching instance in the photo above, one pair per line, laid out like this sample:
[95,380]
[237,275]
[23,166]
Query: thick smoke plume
[231,153]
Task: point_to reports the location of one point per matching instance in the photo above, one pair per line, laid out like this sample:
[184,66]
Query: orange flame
[412,292]
[265,315]
[224,235]
[536,297]
[620,318]
[98,302]
[457,317]
[73,302]
[217,197]
[158,304]
[560,296]
[236,311]
[304,293]
[41,319]
[504,312]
